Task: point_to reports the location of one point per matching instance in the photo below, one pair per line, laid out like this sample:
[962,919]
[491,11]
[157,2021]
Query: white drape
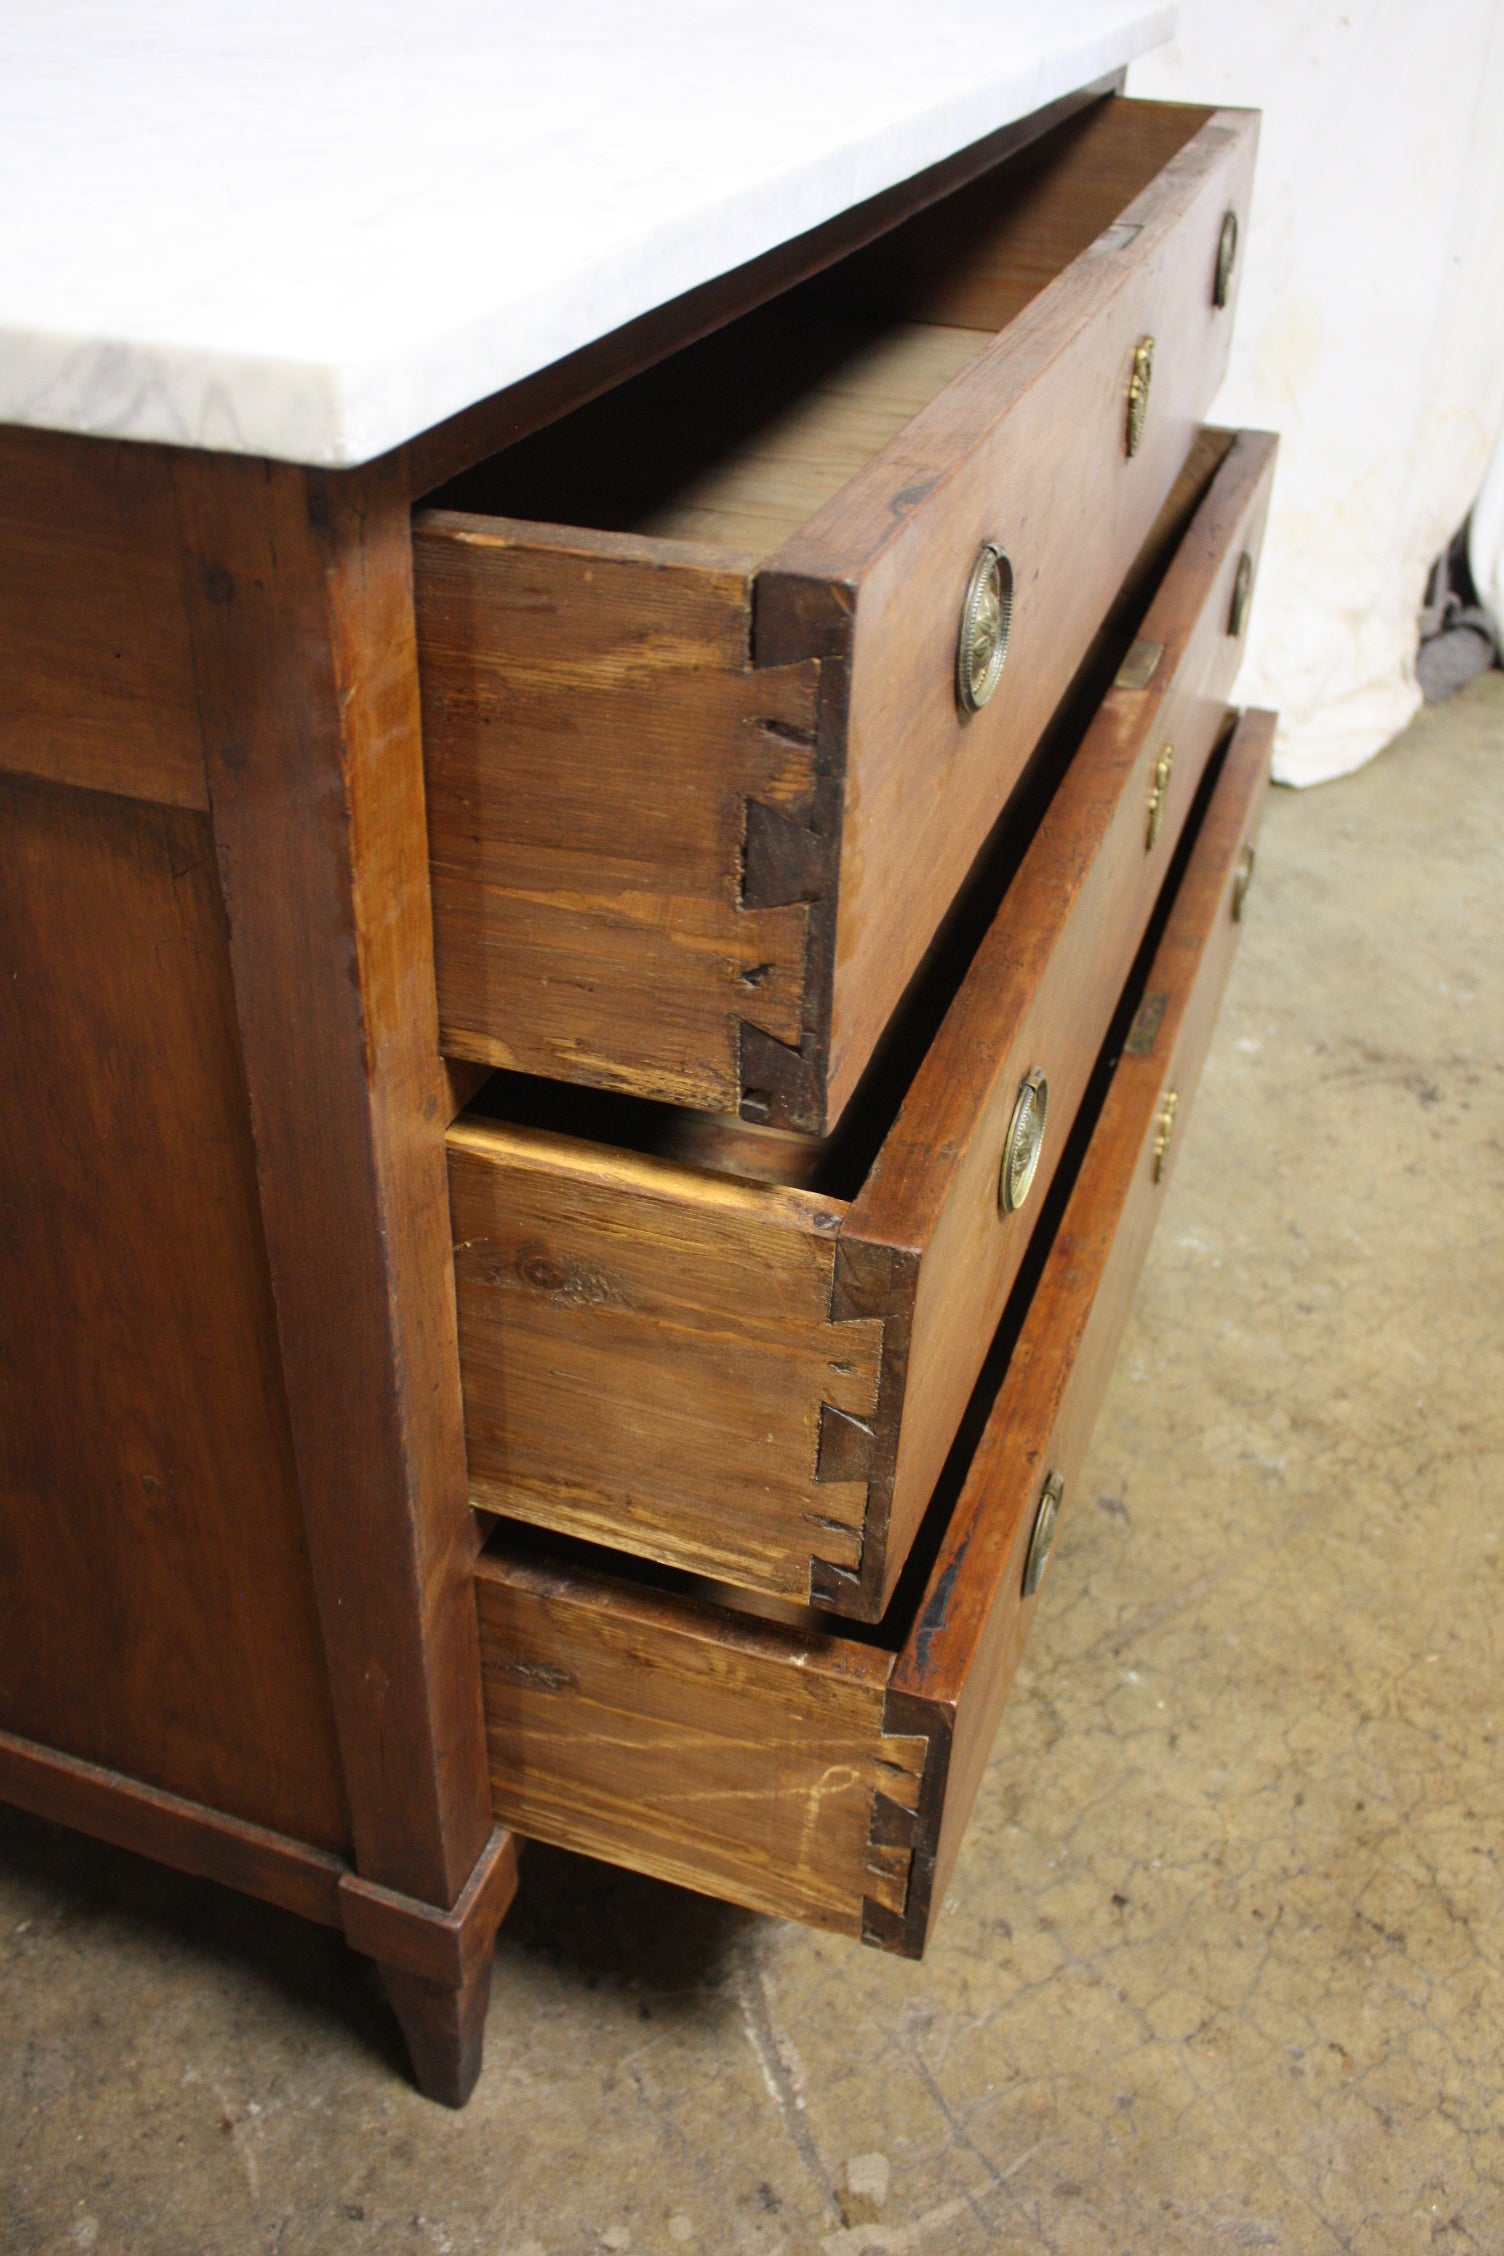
[1370,329]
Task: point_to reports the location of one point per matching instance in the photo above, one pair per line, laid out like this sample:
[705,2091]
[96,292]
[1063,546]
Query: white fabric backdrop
[1370,329]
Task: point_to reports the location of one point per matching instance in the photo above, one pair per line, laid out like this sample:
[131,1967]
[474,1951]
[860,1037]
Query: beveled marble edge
[303,309]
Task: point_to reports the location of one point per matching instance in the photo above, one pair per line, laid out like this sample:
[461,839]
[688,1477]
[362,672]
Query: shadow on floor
[595,1927]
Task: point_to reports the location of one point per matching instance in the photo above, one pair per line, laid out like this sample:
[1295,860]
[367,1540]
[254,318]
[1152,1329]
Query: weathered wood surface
[572,685]
[758,1383]
[595,737]
[710,1750]
[647,1353]
[791,1767]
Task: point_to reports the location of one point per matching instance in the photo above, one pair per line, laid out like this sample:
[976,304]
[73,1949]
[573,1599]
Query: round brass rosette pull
[1138,393]
[986,616]
[1227,251]
[1024,1143]
[1042,1541]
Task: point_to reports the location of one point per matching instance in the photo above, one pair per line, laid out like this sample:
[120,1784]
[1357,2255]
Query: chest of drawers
[598,1004]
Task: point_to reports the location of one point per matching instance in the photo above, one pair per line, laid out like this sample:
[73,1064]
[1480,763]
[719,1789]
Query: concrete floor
[1223,1967]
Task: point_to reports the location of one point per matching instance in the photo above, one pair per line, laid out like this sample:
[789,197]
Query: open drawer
[828,1776]
[759,1381]
[713,727]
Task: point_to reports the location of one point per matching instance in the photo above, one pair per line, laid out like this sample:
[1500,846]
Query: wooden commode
[608,934]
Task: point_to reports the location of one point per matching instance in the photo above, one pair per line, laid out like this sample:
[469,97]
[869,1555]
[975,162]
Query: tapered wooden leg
[445,2029]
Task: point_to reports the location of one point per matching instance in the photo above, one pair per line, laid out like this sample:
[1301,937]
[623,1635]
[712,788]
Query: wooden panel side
[1045,982]
[96,670]
[649,1358]
[156,1606]
[305,665]
[1025,448]
[725,1755]
[972,1624]
[623,815]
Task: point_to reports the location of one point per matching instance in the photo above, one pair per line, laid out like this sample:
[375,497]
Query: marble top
[311,228]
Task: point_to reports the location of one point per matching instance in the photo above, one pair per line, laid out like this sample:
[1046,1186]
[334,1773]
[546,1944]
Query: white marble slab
[311,228]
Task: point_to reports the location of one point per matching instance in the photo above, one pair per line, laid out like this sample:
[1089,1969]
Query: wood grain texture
[300,600]
[507,416]
[1024,448]
[719,1753]
[572,687]
[96,669]
[647,1353]
[876,377]
[599,751]
[959,1663]
[760,1384]
[157,1614]
[819,1775]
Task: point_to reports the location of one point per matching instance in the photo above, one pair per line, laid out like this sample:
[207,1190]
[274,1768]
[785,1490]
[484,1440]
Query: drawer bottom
[828,1777]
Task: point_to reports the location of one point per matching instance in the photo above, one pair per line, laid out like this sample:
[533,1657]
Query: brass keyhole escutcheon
[1025,1140]
[1159,792]
[1138,393]
[1164,1129]
[986,618]
[1242,878]
[1227,251]
[1042,1541]
[1242,589]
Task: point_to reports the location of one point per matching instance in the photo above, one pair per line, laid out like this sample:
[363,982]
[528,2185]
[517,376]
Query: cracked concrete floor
[1223,1966]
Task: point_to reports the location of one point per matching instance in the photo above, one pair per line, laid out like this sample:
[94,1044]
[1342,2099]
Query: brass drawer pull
[1024,1143]
[1164,1128]
[1159,792]
[986,617]
[1138,393]
[1042,1541]
[1242,878]
[1227,251]
[1242,589]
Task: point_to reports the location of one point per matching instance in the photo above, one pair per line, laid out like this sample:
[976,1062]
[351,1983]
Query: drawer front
[815,1775]
[1040,995]
[1025,450]
[695,813]
[952,1677]
[759,1384]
